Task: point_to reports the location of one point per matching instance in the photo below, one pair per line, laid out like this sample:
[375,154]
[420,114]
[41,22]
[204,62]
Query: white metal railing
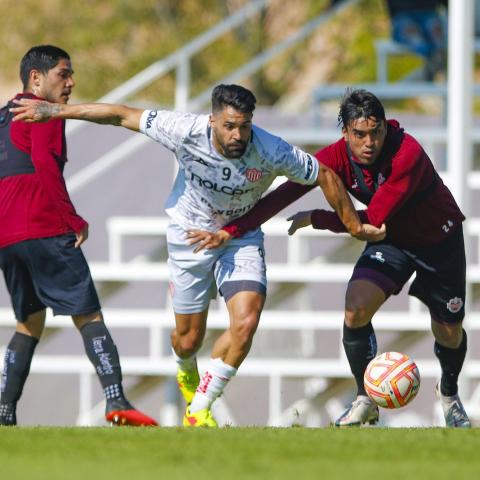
[297,267]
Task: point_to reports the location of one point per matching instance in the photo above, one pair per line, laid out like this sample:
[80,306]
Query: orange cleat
[120,412]
[132,418]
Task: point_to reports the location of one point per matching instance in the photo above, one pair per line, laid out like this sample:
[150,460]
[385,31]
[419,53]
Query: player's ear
[34,77]
[345,134]
[211,119]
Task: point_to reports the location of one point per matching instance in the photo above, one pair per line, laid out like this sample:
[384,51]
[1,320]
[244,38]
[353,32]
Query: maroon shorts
[440,273]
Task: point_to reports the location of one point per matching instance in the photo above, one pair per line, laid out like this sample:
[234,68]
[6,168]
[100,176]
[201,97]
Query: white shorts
[237,266]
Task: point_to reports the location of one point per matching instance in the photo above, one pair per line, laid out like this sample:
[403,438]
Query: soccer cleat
[362,411]
[121,413]
[455,414]
[187,381]
[202,418]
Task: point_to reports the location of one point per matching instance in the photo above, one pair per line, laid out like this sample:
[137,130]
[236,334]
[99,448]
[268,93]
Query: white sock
[212,384]
[185,364]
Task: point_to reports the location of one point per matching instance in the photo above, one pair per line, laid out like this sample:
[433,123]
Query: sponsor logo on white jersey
[150,118]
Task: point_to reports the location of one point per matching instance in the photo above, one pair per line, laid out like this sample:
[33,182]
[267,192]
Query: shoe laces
[361,401]
[456,412]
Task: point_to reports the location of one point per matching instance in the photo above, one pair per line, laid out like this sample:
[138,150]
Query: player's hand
[82,235]
[33,111]
[204,239]
[370,233]
[299,220]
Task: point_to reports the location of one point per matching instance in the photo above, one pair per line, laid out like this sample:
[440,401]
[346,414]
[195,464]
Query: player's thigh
[362,299]
[440,282]
[241,267]
[19,282]
[192,282]
[384,265]
[245,308]
[34,324]
[61,275]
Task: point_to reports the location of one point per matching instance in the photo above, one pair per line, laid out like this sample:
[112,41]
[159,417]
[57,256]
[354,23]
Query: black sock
[18,358]
[103,354]
[360,347]
[451,361]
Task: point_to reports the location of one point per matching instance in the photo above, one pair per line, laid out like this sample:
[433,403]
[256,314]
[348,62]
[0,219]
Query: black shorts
[48,272]
[440,274]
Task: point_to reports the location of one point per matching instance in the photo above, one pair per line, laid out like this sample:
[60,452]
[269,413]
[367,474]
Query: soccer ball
[392,380]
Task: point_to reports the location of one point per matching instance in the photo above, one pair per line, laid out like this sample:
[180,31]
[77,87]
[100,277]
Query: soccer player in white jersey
[225,165]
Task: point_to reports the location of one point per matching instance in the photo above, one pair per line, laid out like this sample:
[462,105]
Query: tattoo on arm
[46,110]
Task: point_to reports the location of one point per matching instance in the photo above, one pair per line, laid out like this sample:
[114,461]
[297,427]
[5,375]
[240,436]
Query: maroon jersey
[34,202]
[402,190]
[410,198]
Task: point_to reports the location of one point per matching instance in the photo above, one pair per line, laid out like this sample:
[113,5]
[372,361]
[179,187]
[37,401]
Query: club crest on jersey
[380,179]
[253,174]
[454,305]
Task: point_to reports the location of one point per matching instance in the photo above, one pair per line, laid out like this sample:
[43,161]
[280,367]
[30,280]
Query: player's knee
[189,343]
[357,315]
[448,337]
[244,329]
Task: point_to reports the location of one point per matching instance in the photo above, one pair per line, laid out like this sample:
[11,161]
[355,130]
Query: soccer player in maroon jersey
[387,169]
[40,238]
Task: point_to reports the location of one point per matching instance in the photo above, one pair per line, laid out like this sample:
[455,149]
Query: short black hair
[42,58]
[359,104]
[234,96]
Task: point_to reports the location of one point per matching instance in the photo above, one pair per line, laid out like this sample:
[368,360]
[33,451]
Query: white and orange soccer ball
[392,380]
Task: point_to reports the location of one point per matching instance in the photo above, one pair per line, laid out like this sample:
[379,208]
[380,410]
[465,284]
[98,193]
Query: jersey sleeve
[297,165]
[167,127]
[331,157]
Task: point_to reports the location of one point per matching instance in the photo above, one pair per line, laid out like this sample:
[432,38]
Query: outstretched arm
[31,111]
[338,198]
[324,220]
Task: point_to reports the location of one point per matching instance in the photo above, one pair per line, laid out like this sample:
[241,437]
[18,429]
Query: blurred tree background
[111,40]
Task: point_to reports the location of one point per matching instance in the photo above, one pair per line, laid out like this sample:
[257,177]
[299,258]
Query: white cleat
[362,411]
[455,414]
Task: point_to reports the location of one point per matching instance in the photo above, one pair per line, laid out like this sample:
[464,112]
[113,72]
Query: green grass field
[243,453]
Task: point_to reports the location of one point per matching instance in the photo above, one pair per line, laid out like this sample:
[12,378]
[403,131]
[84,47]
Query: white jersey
[211,190]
